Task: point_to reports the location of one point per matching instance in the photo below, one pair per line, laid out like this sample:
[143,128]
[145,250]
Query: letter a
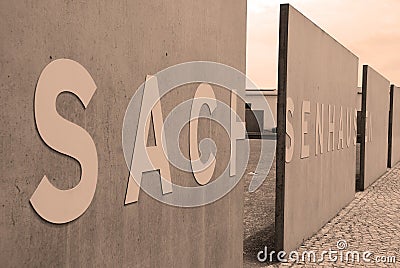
[153,157]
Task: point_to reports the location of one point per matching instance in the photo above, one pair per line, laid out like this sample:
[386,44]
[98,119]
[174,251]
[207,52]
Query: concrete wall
[314,185]
[359,98]
[394,123]
[119,43]
[375,124]
[257,100]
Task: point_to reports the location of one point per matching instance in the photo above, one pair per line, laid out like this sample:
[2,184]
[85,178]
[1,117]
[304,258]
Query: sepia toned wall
[375,124]
[314,185]
[119,43]
[394,135]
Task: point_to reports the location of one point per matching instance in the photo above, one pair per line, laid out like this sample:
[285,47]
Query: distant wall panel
[375,125]
[394,127]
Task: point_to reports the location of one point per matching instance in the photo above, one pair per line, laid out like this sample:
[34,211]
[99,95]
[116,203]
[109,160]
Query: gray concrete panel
[119,43]
[394,127]
[374,126]
[316,158]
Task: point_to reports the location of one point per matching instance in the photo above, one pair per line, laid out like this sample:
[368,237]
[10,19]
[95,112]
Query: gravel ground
[371,222]
[259,208]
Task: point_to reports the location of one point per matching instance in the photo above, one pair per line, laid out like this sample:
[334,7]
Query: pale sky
[369,28]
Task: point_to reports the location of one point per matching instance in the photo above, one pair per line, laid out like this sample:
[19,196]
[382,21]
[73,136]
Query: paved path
[370,223]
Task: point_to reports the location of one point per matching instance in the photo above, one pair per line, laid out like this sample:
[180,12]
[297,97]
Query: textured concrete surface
[374,126]
[369,223]
[314,69]
[395,127]
[119,43]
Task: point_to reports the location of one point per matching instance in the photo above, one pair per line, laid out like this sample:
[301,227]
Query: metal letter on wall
[153,157]
[202,171]
[52,204]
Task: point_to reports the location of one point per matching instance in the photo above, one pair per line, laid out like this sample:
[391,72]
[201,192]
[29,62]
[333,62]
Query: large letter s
[52,204]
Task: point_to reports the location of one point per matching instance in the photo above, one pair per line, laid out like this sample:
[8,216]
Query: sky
[369,28]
